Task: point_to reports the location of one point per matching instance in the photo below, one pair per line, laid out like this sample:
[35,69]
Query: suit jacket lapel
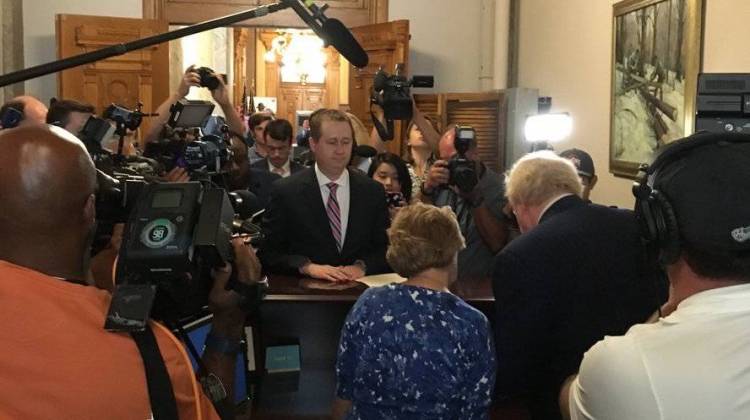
[319,218]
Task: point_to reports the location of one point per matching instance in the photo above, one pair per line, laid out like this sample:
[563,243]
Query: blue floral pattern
[408,352]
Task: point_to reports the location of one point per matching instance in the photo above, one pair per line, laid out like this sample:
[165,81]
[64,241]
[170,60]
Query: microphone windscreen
[249,205]
[365,151]
[342,39]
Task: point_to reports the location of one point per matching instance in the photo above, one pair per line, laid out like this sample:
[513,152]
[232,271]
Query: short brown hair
[279,130]
[326,114]
[258,118]
[540,176]
[60,110]
[423,237]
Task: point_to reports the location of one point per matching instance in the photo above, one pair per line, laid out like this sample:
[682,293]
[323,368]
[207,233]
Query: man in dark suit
[575,274]
[278,140]
[240,176]
[327,222]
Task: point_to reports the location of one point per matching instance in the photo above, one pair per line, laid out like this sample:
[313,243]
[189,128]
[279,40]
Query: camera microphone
[245,203]
[331,31]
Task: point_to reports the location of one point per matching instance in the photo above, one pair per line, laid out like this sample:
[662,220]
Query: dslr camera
[208,78]
[393,94]
[463,172]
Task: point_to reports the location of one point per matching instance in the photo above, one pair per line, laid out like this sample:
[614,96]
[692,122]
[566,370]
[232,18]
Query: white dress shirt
[285,170]
[342,195]
[693,364]
[552,203]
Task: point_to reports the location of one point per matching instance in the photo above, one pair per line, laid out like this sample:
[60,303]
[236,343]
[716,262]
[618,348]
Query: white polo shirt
[693,364]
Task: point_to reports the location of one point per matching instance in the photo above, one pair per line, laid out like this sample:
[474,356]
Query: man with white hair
[575,274]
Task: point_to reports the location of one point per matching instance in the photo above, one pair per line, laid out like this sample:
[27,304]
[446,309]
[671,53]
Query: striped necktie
[334,213]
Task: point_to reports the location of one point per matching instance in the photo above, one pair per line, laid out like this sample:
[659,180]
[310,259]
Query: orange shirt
[57,361]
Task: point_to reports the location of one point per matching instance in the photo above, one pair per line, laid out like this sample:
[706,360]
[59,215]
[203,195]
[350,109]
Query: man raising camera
[478,201]
[60,362]
[192,78]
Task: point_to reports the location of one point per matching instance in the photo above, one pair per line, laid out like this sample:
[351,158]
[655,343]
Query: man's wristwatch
[223,345]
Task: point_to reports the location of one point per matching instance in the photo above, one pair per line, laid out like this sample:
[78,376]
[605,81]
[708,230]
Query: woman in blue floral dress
[414,350]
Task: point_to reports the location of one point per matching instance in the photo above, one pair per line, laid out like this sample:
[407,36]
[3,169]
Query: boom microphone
[342,39]
[331,31]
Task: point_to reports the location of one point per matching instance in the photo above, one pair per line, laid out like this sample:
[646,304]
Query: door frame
[157,9]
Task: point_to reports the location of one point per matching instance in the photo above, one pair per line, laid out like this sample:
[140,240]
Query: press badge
[130,308]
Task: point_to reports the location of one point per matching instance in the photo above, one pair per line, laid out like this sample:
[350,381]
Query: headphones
[655,214]
[11,117]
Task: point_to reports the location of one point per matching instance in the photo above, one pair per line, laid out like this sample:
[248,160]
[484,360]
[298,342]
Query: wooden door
[138,76]
[485,111]
[387,44]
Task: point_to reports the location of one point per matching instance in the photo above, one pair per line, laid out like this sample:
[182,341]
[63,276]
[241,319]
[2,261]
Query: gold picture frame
[657,50]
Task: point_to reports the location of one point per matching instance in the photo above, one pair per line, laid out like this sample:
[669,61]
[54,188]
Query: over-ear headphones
[653,210]
[11,117]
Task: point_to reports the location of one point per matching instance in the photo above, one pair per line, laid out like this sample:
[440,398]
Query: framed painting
[656,57]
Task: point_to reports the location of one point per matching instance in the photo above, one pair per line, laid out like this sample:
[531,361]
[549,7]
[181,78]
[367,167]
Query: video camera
[393,94]
[174,236]
[96,131]
[208,152]
[463,173]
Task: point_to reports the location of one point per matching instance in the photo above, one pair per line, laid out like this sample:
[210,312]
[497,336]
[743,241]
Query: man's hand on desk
[331,273]
[354,271]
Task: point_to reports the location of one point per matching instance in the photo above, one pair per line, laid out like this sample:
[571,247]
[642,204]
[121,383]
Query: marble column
[11,34]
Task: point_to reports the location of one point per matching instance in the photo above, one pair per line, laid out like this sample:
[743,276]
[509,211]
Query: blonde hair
[540,176]
[423,237]
[359,129]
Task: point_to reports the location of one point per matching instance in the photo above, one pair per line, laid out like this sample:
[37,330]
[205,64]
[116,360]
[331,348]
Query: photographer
[192,78]
[62,362]
[69,114]
[479,211]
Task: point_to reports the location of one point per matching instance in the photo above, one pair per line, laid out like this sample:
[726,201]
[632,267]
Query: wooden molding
[379,11]
[155,9]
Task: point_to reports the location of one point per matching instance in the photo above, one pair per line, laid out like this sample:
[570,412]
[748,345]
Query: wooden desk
[297,289]
[314,317]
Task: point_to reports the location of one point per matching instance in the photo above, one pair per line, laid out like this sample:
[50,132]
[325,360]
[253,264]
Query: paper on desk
[381,279]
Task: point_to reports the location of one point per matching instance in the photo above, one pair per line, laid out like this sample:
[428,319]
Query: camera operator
[61,362]
[479,211]
[240,176]
[192,78]
[69,114]
[21,111]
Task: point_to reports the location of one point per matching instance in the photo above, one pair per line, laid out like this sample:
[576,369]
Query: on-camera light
[553,127]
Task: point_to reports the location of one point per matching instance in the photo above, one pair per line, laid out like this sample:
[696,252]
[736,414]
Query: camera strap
[385,133]
[160,392]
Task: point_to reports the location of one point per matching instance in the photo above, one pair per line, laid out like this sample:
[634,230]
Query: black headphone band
[682,147]
[653,210]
